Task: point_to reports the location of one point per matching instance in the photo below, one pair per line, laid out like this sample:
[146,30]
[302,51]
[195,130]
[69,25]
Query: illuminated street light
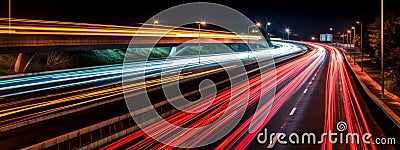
[348,39]
[198,48]
[9,16]
[266,26]
[258,24]
[354,45]
[361,45]
[382,65]
[313,38]
[332,38]
[248,30]
[342,36]
[287,30]
[155,22]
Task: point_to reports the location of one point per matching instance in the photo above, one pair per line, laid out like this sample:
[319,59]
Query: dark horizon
[303,17]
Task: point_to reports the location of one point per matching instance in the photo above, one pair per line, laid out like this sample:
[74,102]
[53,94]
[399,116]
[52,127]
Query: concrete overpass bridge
[33,39]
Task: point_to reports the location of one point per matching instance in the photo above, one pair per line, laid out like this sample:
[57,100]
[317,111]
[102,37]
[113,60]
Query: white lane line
[292,112]
[272,144]
[310,83]
[305,91]
[313,78]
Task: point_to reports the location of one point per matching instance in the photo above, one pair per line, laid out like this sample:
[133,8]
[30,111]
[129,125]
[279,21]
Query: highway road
[54,103]
[314,93]
[328,96]
[299,68]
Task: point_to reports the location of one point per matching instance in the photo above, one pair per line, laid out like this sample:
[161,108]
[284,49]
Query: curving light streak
[42,27]
[338,81]
[13,112]
[283,73]
[338,76]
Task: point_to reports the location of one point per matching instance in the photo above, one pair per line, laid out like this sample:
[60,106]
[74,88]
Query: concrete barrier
[60,139]
[36,120]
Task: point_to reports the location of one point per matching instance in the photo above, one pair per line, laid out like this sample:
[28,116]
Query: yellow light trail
[43,27]
[105,93]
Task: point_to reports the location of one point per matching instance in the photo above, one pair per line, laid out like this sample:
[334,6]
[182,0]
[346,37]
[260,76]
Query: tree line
[391,48]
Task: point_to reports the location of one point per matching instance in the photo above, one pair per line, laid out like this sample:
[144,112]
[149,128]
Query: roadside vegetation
[391,52]
[56,60]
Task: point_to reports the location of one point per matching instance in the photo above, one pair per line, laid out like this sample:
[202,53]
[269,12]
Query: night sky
[305,17]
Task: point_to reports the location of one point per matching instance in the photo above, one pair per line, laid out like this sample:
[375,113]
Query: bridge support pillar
[25,61]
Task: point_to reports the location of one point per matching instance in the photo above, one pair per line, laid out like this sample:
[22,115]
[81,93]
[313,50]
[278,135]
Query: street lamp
[248,33]
[331,29]
[155,22]
[9,16]
[382,65]
[287,30]
[361,45]
[313,38]
[198,48]
[348,41]
[266,26]
[342,36]
[354,45]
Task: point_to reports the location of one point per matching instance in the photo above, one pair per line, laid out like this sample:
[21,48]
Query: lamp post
[198,48]
[382,65]
[354,45]
[331,29]
[266,26]
[155,22]
[348,41]
[342,36]
[248,34]
[287,30]
[9,16]
[361,45]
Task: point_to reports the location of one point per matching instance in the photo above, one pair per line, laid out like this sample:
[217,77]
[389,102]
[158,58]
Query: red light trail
[289,77]
[340,88]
